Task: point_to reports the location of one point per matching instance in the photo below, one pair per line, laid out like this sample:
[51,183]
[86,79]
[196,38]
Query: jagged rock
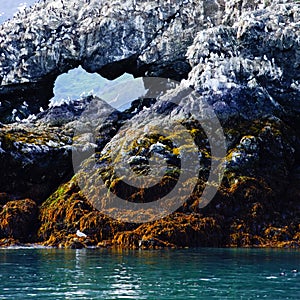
[34,160]
[36,155]
[9,242]
[19,220]
[65,113]
[177,230]
[108,37]
[252,68]
[243,60]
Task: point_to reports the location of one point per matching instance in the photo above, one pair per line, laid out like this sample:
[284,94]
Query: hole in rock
[78,83]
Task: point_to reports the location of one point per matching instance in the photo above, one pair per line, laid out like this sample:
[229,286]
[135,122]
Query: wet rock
[277,234]
[242,215]
[128,240]
[242,59]
[73,244]
[19,220]
[105,244]
[178,230]
[9,242]
[67,211]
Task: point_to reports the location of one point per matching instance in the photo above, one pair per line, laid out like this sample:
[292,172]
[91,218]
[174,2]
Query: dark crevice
[114,70]
[13,97]
[175,70]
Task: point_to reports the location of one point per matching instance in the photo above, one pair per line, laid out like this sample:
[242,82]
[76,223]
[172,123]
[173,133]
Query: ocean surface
[166,274]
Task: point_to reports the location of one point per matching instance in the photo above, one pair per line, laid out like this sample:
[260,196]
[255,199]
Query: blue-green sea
[166,274]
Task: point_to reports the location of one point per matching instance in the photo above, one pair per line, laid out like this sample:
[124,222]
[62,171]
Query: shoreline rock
[19,221]
[243,61]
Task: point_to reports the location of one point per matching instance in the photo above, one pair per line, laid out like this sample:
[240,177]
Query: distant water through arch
[78,83]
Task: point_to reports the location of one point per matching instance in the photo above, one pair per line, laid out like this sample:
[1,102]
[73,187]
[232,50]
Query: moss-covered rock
[248,205]
[178,230]
[67,211]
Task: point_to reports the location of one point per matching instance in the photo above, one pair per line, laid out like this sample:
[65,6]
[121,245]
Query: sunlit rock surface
[241,57]
[108,37]
[256,60]
[36,154]
[18,221]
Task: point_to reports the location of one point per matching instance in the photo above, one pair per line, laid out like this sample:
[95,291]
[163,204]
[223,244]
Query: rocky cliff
[241,57]
[108,37]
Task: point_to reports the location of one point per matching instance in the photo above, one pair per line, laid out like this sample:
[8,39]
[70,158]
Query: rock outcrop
[256,59]
[19,221]
[34,160]
[241,57]
[36,154]
[108,37]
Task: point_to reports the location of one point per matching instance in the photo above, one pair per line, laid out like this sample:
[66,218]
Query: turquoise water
[168,274]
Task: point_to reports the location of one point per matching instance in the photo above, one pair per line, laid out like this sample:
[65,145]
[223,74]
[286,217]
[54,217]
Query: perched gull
[80,234]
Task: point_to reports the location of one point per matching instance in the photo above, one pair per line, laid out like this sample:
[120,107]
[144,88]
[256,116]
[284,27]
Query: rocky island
[241,57]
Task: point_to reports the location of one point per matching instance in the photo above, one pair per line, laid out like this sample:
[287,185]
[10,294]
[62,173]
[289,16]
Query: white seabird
[80,234]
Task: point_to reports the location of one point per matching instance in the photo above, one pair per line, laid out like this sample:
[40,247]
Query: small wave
[271,277]
[25,247]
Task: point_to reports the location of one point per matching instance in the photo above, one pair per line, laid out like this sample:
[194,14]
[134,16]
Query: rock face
[98,34]
[241,57]
[34,160]
[256,59]
[36,155]
[19,220]
[108,37]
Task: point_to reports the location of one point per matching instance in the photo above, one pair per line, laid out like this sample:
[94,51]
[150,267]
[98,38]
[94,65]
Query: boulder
[19,220]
